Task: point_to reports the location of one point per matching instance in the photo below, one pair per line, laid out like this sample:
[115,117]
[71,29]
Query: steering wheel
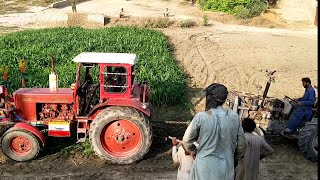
[83,87]
[291,99]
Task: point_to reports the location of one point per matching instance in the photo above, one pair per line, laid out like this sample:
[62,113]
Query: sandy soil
[239,59]
[229,53]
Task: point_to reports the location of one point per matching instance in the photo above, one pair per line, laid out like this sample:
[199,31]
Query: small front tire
[20,145]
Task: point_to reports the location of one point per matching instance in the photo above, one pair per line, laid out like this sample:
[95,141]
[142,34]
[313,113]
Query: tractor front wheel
[308,140]
[121,135]
[20,145]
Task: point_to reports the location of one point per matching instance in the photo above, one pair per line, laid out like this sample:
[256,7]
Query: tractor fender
[119,102]
[31,129]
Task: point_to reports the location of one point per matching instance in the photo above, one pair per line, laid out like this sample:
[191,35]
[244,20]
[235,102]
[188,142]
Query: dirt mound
[268,19]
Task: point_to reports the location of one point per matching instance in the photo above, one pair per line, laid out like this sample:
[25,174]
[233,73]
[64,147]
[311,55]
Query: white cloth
[287,107]
[184,161]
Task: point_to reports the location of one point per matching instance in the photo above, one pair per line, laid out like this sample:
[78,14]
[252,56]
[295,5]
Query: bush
[241,12]
[155,62]
[236,7]
[257,8]
[187,23]
[205,20]
[161,22]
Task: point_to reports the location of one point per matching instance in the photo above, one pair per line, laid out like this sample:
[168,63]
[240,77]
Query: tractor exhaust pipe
[53,77]
[5,79]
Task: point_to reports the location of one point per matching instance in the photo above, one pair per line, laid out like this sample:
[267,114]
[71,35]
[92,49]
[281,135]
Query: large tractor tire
[308,140]
[121,135]
[20,145]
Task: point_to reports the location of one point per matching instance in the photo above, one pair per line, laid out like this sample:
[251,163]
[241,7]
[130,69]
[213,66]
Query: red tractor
[113,111]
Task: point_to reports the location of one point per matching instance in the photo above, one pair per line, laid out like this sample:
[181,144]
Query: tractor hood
[43,95]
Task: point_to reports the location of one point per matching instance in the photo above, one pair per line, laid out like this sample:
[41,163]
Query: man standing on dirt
[166,13]
[73,5]
[220,136]
[121,14]
[303,108]
[257,149]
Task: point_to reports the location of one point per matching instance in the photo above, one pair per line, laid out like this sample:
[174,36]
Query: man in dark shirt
[303,107]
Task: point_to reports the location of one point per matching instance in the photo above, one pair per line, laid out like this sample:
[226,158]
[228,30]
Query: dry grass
[187,23]
[77,19]
[8,29]
[81,19]
[158,22]
[16,6]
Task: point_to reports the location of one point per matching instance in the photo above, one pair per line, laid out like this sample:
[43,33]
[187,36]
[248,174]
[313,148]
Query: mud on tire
[121,135]
[20,145]
[308,140]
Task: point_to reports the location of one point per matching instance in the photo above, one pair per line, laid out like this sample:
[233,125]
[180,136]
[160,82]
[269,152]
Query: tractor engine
[40,107]
[58,117]
[56,111]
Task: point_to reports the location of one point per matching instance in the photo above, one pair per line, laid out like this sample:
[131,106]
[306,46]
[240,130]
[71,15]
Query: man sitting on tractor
[303,108]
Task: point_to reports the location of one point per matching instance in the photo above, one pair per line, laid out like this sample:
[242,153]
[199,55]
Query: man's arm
[191,134]
[267,150]
[310,98]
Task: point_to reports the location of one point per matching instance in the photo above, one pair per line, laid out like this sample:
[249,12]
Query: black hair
[248,125]
[306,80]
[216,95]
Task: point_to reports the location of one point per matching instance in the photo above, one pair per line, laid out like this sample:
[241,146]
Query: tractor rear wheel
[308,140]
[121,135]
[20,145]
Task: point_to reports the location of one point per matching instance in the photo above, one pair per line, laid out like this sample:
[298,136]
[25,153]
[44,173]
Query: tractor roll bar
[113,86]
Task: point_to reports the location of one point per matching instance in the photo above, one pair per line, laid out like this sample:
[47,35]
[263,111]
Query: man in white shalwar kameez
[182,159]
[220,136]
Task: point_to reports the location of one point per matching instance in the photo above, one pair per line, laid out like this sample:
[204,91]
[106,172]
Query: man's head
[248,125]
[216,95]
[306,82]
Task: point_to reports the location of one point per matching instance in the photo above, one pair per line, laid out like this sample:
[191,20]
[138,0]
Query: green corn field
[155,65]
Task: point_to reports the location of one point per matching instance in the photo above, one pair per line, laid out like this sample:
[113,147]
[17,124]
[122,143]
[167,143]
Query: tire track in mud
[212,60]
[206,62]
[228,71]
[197,64]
